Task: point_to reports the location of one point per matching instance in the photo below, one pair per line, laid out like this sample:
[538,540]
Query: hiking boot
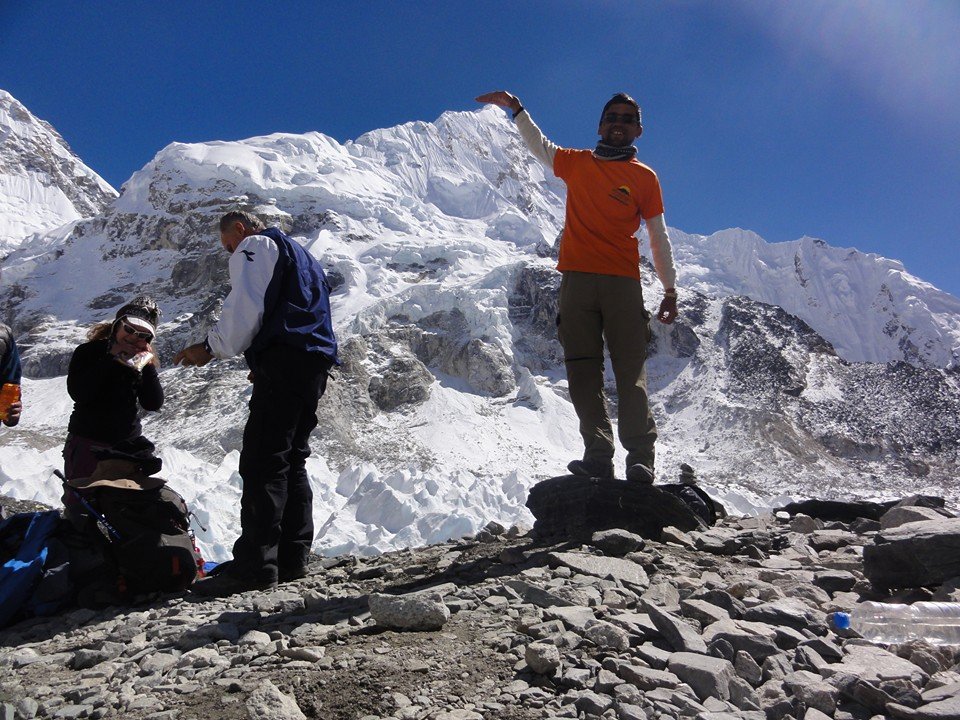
[640,473]
[289,573]
[225,583]
[591,468]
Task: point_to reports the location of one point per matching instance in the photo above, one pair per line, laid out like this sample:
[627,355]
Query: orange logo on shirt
[621,194]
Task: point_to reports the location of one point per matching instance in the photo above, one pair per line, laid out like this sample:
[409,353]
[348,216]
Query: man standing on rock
[608,193]
[278,315]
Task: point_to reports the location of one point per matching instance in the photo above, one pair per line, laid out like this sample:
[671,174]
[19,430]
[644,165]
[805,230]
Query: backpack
[146,535]
[25,540]
[695,498]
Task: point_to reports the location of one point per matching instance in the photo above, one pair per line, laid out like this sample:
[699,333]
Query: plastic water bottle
[937,623]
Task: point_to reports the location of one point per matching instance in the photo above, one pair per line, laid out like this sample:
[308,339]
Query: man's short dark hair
[249,220]
[621,99]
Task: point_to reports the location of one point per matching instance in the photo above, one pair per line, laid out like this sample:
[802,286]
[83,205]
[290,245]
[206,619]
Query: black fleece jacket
[106,392]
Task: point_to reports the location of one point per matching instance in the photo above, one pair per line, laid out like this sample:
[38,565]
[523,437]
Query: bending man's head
[235,226]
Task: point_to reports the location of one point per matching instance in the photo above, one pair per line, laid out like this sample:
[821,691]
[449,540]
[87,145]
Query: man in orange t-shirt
[609,192]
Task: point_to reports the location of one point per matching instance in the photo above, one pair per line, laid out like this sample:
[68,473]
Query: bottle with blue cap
[937,623]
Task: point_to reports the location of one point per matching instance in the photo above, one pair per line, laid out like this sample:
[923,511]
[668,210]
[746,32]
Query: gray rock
[606,681]
[616,542]
[602,567]
[542,658]
[917,554]
[539,596]
[722,599]
[628,711]
[704,612]
[574,617]
[805,524]
[647,678]
[742,694]
[27,708]
[757,639]
[664,595]
[790,613]
[903,514]
[409,612]
[947,709]
[593,703]
[157,663]
[940,692]
[458,714]
[746,667]
[810,689]
[606,636]
[873,665]
[652,655]
[680,635]
[266,702]
[575,677]
[824,648]
[708,676]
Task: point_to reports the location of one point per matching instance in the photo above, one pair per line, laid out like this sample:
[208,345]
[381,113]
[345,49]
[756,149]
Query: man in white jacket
[278,315]
[609,192]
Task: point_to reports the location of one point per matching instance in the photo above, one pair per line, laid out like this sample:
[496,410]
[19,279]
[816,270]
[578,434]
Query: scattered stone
[409,612]
[268,703]
[541,628]
[603,567]
[616,542]
[542,658]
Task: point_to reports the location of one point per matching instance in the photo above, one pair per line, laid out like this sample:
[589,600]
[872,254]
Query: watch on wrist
[206,346]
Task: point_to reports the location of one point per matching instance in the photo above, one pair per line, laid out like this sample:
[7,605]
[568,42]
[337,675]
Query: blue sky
[839,120]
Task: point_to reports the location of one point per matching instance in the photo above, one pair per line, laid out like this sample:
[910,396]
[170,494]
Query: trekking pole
[102,525]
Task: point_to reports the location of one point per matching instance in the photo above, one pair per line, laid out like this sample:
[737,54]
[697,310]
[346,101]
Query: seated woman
[109,382]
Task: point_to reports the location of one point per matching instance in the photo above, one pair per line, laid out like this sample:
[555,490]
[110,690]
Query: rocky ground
[731,622]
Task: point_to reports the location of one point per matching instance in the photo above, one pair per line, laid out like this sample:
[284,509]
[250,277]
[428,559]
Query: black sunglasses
[627,118]
[142,334]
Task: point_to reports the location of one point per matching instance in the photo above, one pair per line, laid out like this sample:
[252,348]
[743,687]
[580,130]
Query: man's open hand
[194,355]
[501,98]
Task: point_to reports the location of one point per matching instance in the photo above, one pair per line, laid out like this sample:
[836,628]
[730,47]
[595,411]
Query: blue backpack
[25,548]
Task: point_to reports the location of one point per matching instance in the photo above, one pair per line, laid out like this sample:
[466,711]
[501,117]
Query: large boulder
[577,507]
[918,554]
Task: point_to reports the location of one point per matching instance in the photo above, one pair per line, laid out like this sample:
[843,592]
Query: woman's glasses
[142,334]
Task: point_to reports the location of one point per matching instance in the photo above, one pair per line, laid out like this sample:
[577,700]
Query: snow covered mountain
[795,368]
[43,185]
[869,307]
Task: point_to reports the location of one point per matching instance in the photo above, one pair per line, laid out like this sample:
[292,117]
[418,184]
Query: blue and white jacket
[279,295]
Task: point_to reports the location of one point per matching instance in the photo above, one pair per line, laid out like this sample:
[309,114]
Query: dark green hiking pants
[593,309]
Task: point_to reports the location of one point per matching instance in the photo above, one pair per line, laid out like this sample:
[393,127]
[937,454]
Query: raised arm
[540,146]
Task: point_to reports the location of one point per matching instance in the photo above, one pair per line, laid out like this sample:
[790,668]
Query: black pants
[276,506]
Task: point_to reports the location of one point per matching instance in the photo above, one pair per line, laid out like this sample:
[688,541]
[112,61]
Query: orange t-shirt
[605,201]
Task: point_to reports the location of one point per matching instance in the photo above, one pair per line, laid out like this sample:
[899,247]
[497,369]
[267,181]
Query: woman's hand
[13,414]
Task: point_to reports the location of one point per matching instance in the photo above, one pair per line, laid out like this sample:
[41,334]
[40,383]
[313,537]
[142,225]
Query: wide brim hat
[123,474]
